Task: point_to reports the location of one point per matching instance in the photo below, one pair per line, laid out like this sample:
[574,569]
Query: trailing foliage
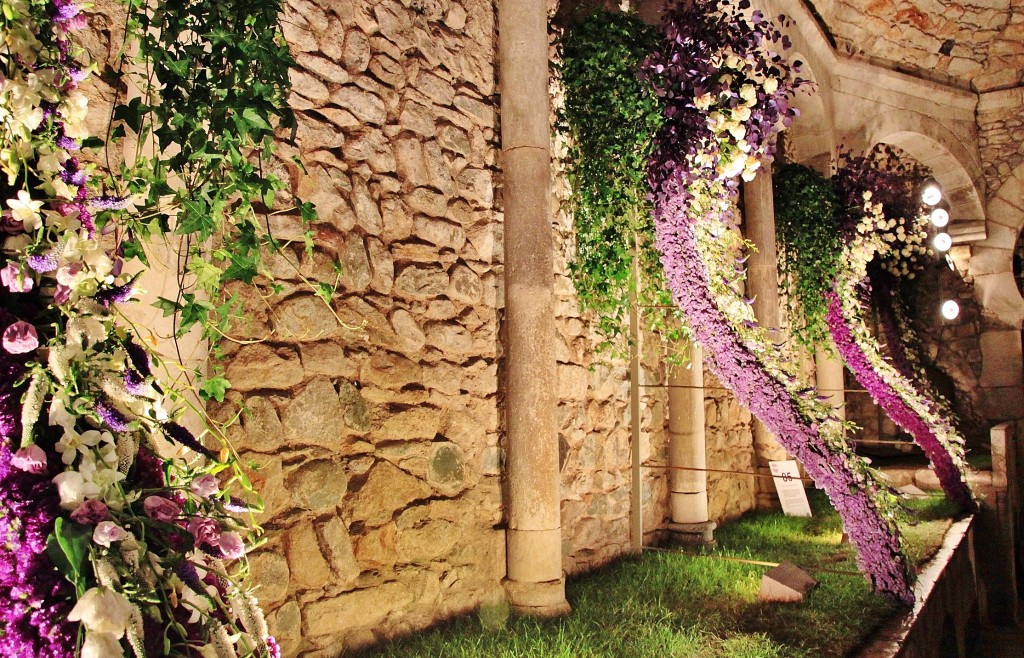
[809,246]
[608,120]
[214,81]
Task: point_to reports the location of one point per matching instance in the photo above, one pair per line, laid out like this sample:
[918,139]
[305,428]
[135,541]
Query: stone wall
[976,42]
[728,428]
[377,440]
[1000,134]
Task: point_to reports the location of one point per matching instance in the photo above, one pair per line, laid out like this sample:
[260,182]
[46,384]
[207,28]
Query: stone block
[365,106]
[785,583]
[338,547]
[1001,358]
[387,490]
[311,416]
[263,430]
[261,366]
[410,424]
[304,317]
[285,625]
[363,608]
[271,573]
[417,281]
[1000,298]
[309,568]
[318,485]
[446,470]
[428,541]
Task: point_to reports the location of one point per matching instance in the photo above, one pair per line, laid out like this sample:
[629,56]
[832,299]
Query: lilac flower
[205,485]
[110,202]
[188,574]
[116,294]
[43,263]
[231,545]
[139,358]
[111,416]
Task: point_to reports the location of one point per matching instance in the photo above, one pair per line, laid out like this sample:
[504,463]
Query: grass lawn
[674,604]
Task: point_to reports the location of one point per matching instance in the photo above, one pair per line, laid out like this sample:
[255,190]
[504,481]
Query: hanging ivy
[809,248]
[608,121]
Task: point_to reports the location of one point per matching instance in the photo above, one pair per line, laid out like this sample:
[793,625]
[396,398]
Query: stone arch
[954,164]
[995,290]
[811,138]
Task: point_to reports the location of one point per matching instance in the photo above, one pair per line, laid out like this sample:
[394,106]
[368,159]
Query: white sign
[790,488]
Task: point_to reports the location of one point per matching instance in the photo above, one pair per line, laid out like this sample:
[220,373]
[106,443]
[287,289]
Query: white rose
[770,85]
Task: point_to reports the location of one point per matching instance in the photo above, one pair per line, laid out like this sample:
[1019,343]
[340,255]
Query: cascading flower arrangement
[119,535]
[884,238]
[726,88]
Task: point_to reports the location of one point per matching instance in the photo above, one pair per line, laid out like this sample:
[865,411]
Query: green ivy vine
[213,76]
[608,121]
[809,248]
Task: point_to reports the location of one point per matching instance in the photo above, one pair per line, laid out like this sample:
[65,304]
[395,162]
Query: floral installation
[884,241]
[726,88]
[120,536]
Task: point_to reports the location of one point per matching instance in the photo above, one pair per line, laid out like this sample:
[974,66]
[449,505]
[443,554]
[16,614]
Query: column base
[538,599]
[692,534]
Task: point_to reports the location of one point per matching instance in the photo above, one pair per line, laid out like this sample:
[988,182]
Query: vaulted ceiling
[976,44]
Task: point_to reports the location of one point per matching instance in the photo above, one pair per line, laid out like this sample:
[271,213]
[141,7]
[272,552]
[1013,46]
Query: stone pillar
[688,490]
[763,287]
[829,374]
[534,583]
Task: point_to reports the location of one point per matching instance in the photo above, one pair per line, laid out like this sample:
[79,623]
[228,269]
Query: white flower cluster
[900,244]
[731,106]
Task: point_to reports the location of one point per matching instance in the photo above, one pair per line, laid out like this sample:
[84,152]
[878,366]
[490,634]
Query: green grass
[668,604]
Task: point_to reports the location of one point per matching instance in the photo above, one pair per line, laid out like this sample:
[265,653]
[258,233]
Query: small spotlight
[939,217]
[950,309]
[931,194]
[942,241]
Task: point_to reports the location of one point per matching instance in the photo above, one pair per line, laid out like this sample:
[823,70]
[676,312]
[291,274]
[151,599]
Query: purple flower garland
[950,476]
[34,597]
[692,175]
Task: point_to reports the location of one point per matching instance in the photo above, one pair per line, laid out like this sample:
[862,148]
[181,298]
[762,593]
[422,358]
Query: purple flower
[188,574]
[116,294]
[161,509]
[43,263]
[181,435]
[139,357]
[31,459]
[90,512]
[205,485]
[110,202]
[107,532]
[273,649]
[20,338]
[111,416]
[204,530]
[231,545]
[15,280]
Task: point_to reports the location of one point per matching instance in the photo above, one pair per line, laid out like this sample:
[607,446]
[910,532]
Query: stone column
[534,583]
[829,371]
[688,490]
[763,287]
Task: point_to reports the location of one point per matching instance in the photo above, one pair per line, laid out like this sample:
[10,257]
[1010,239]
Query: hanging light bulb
[950,309]
[942,241]
[931,194]
[939,217]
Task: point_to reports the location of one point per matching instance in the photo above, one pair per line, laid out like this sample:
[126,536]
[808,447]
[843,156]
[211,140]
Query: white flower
[741,113]
[702,102]
[25,210]
[748,93]
[72,443]
[770,85]
[59,413]
[73,489]
[107,532]
[101,645]
[104,611]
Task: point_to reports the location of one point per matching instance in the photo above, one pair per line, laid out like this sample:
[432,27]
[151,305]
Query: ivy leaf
[168,306]
[214,389]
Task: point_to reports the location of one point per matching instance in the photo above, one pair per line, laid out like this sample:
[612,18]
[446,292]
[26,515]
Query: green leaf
[214,388]
[167,306]
[68,548]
